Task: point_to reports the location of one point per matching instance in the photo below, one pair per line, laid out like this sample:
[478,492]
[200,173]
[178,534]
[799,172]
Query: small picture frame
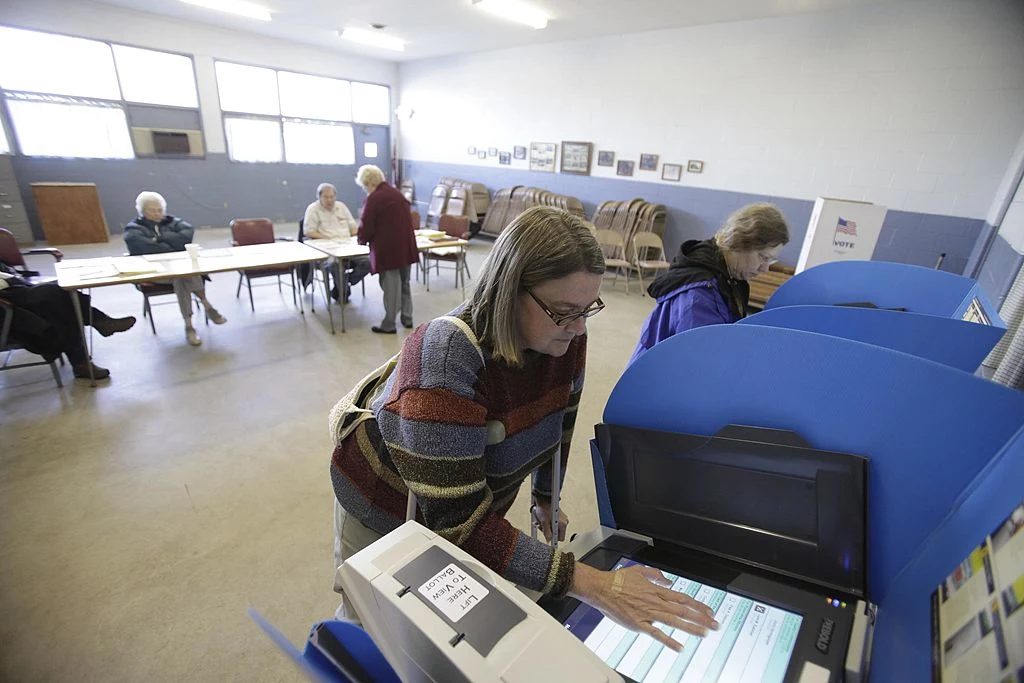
[648,162]
[492,151]
[472,151]
[605,158]
[481,154]
[542,156]
[624,168]
[694,166]
[672,172]
[576,157]
[519,152]
[504,158]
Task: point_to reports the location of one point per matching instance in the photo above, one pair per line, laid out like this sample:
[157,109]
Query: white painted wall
[105,22]
[914,105]
[1011,223]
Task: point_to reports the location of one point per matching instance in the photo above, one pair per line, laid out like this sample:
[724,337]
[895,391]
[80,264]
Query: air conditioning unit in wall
[168,142]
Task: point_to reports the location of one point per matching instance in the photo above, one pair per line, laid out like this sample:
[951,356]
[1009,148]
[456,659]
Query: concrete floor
[141,518]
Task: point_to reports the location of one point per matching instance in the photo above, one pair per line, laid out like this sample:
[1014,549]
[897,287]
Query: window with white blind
[311,114]
[151,77]
[256,140]
[65,127]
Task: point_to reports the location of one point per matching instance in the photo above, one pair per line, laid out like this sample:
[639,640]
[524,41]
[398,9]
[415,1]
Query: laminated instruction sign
[453,591]
[977,615]
[840,230]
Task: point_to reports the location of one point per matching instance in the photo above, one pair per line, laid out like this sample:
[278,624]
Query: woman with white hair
[386,225]
[154,231]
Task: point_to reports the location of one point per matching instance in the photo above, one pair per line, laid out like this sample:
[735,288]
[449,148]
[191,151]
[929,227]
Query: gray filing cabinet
[12,209]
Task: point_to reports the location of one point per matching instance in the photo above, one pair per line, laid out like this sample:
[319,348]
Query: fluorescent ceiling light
[239,7]
[516,11]
[374,38]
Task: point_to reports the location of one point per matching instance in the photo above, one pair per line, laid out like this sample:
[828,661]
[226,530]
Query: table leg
[339,274]
[81,327]
[324,265]
[426,270]
[460,269]
[297,281]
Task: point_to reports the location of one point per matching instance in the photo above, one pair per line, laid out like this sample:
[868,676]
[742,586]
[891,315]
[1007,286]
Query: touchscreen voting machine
[768,531]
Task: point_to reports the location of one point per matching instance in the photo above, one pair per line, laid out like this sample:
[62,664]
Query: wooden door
[70,213]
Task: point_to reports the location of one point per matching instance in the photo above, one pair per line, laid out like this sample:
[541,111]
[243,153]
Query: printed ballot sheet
[753,644]
[978,623]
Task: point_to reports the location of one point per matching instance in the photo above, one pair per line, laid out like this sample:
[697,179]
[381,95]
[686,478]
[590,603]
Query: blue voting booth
[946,448]
[945,318]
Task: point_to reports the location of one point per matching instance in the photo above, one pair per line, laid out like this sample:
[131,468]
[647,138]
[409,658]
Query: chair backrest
[9,252]
[456,226]
[302,232]
[415,217]
[252,231]
[456,202]
[648,240]
[611,243]
[438,201]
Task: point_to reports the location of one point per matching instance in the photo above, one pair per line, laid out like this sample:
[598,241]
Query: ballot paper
[136,265]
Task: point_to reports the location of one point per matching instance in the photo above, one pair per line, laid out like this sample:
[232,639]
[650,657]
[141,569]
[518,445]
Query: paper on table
[166,256]
[211,253]
[136,265]
[95,272]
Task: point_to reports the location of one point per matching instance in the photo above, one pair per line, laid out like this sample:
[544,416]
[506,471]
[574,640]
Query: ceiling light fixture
[516,11]
[239,7]
[373,38]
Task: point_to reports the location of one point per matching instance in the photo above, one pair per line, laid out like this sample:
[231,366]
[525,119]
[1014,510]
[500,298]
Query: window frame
[122,103]
[351,122]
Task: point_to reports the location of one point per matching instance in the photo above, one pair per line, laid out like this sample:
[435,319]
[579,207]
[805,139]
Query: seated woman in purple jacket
[707,283]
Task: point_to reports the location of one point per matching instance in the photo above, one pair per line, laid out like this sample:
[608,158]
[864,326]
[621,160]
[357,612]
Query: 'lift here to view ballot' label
[454,592]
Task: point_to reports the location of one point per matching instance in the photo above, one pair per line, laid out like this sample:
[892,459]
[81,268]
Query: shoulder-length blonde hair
[541,244]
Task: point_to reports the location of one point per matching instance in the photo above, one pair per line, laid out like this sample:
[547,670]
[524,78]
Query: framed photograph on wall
[519,152]
[648,162]
[673,172]
[481,154]
[472,150]
[504,158]
[693,166]
[492,151]
[605,158]
[576,157]
[624,168]
[542,156]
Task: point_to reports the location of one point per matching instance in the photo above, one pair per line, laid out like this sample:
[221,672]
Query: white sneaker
[192,336]
[215,315]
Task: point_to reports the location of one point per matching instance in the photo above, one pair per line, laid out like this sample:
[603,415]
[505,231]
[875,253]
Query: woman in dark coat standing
[386,226]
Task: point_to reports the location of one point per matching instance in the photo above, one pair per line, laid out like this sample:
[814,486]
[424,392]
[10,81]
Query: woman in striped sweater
[475,402]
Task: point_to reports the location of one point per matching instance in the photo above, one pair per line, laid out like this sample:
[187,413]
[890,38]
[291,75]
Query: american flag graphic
[846,227]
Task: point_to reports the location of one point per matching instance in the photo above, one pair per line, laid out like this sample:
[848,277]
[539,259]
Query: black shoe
[381,330]
[407,325]
[82,371]
[109,326]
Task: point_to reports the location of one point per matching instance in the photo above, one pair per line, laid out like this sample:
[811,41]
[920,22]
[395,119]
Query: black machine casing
[753,511]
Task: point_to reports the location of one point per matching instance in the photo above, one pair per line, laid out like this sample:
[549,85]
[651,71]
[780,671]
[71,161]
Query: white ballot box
[840,230]
[439,615]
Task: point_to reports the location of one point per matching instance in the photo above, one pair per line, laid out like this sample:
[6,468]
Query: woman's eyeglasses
[766,260]
[563,319]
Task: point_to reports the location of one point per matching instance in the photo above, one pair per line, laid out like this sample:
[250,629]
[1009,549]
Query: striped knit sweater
[463,431]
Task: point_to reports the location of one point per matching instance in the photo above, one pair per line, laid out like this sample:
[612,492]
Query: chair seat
[155,288]
[446,254]
[267,272]
[653,264]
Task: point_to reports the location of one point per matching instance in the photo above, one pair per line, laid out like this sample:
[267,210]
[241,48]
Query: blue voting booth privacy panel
[902,650]
[885,284]
[949,341]
[927,428]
